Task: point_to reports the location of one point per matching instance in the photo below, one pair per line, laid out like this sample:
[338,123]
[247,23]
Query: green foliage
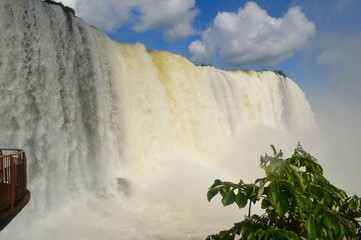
[204,65]
[281,73]
[65,8]
[299,202]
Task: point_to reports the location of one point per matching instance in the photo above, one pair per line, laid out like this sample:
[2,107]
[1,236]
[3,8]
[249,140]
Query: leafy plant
[204,65]
[299,202]
[281,73]
[65,8]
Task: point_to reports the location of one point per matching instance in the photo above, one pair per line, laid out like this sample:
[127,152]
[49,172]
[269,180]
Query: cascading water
[123,142]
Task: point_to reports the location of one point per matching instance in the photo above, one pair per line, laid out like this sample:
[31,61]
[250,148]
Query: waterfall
[105,124]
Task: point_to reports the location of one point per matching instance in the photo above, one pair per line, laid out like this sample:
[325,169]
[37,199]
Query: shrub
[281,73]
[299,202]
[65,8]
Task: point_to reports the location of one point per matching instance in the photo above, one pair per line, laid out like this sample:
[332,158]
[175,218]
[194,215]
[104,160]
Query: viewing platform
[13,184]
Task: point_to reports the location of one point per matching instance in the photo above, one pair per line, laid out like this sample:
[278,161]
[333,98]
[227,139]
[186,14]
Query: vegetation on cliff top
[66,8]
[281,73]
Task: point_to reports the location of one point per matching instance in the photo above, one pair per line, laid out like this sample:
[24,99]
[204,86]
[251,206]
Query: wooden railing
[13,180]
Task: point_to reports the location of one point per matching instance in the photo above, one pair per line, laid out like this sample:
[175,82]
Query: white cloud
[198,49]
[179,31]
[107,15]
[172,17]
[251,36]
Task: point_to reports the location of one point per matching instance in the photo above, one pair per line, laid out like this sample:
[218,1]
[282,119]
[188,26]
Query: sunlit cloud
[252,36]
[174,17]
[108,15]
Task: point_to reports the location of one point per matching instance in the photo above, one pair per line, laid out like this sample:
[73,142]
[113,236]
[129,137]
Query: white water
[123,142]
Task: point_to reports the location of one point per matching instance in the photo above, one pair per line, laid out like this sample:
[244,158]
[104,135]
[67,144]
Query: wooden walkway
[13,184]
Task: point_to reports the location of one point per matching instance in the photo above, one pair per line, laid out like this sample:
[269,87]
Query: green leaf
[311,228]
[282,205]
[226,235]
[265,203]
[352,203]
[328,221]
[228,198]
[241,200]
[224,190]
[302,203]
[260,189]
[251,192]
[284,234]
[272,194]
[212,192]
[229,184]
[295,176]
[278,200]
[261,235]
[271,169]
[274,150]
[252,236]
[216,183]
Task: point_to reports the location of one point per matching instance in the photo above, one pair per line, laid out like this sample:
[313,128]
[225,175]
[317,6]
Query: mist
[337,140]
